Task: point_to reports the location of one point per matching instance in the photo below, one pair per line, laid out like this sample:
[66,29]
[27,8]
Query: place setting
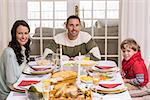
[41,65]
[25,81]
[105,66]
[38,67]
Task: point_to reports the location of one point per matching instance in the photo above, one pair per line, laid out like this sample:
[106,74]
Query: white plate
[30,71]
[70,65]
[115,69]
[23,88]
[41,67]
[119,87]
[106,63]
[82,62]
[29,77]
[112,66]
[32,63]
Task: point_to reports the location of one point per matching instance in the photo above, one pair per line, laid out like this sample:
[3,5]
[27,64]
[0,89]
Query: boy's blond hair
[131,43]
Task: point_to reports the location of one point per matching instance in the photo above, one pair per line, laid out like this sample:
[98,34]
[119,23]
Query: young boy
[134,71]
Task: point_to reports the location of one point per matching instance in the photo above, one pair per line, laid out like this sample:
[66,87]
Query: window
[100,18]
[44,16]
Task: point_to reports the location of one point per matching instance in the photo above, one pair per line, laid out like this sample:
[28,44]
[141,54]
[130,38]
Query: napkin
[27,82]
[104,67]
[40,69]
[110,85]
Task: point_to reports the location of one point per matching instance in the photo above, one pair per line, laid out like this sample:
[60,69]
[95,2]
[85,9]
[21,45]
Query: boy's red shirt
[135,65]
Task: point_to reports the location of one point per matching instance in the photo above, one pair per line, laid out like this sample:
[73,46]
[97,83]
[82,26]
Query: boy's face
[128,53]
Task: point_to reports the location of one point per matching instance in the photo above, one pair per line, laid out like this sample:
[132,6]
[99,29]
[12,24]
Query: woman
[14,57]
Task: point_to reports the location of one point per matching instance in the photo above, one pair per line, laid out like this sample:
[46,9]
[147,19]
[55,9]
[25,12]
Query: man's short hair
[73,17]
[131,43]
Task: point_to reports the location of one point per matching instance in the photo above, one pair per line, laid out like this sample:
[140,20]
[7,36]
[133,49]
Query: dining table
[95,96]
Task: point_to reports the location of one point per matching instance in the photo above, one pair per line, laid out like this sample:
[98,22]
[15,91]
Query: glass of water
[56,58]
[46,88]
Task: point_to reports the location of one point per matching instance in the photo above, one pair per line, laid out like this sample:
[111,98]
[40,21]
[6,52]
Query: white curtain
[10,11]
[3,25]
[135,23]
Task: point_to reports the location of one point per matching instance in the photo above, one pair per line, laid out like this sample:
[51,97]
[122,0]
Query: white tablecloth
[120,96]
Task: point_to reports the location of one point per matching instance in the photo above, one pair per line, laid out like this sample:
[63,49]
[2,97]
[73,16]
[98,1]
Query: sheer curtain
[10,11]
[3,25]
[135,23]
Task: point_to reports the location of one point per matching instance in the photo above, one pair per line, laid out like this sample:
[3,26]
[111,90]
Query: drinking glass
[95,81]
[46,88]
[96,78]
[56,59]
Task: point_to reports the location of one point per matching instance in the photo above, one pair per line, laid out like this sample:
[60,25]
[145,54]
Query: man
[74,41]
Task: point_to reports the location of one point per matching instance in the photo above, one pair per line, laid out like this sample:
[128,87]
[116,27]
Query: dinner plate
[34,65]
[113,69]
[87,63]
[41,68]
[82,62]
[105,66]
[86,79]
[23,85]
[106,76]
[117,89]
[106,63]
[70,63]
[25,81]
[110,85]
[110,92]
[30,71]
